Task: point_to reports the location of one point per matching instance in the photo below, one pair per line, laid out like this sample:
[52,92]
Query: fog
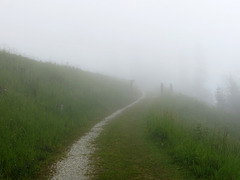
[192,44]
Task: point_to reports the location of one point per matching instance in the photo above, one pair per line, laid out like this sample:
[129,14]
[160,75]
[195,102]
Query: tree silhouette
[233,95]
[220,98]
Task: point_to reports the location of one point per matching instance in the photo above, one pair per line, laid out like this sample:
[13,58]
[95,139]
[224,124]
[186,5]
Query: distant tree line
[228,98]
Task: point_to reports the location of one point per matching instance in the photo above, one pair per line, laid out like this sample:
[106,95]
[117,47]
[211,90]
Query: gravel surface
[77,164]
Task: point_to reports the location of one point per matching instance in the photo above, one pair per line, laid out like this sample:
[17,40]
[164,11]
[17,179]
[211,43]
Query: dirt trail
[77,163]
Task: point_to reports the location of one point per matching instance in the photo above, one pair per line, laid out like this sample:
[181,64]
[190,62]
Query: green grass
[44,107]
[126,150]
[171,137]
[187,130]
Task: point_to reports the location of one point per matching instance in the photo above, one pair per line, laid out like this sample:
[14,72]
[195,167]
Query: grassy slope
[152,141]
[126,150]
[44,107]
[198,137]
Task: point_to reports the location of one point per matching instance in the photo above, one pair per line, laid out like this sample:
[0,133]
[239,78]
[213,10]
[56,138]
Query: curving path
[77,163]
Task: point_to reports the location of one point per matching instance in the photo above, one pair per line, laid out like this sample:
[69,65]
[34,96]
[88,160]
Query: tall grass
[125,150]
[43,106]
[196,136]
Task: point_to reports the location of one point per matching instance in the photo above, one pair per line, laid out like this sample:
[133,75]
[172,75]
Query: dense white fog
[192,44]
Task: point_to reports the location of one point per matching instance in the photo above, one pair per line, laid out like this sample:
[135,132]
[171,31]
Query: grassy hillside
[126,150]
[44,107]
[198,137]
[172,131]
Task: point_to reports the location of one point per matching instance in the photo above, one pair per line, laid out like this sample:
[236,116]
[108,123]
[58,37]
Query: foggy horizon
[192,45]
[119,89]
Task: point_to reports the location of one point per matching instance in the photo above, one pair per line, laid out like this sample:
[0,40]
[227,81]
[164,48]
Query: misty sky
[152,41]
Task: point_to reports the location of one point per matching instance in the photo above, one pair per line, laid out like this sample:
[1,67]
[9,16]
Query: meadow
[170,137]
[198,137]
[126,150]
[44,107]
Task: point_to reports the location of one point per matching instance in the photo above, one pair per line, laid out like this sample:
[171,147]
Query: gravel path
[77,163]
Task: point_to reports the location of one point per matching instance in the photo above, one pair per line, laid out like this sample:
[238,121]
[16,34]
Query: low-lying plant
[210,153]
[47,106]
